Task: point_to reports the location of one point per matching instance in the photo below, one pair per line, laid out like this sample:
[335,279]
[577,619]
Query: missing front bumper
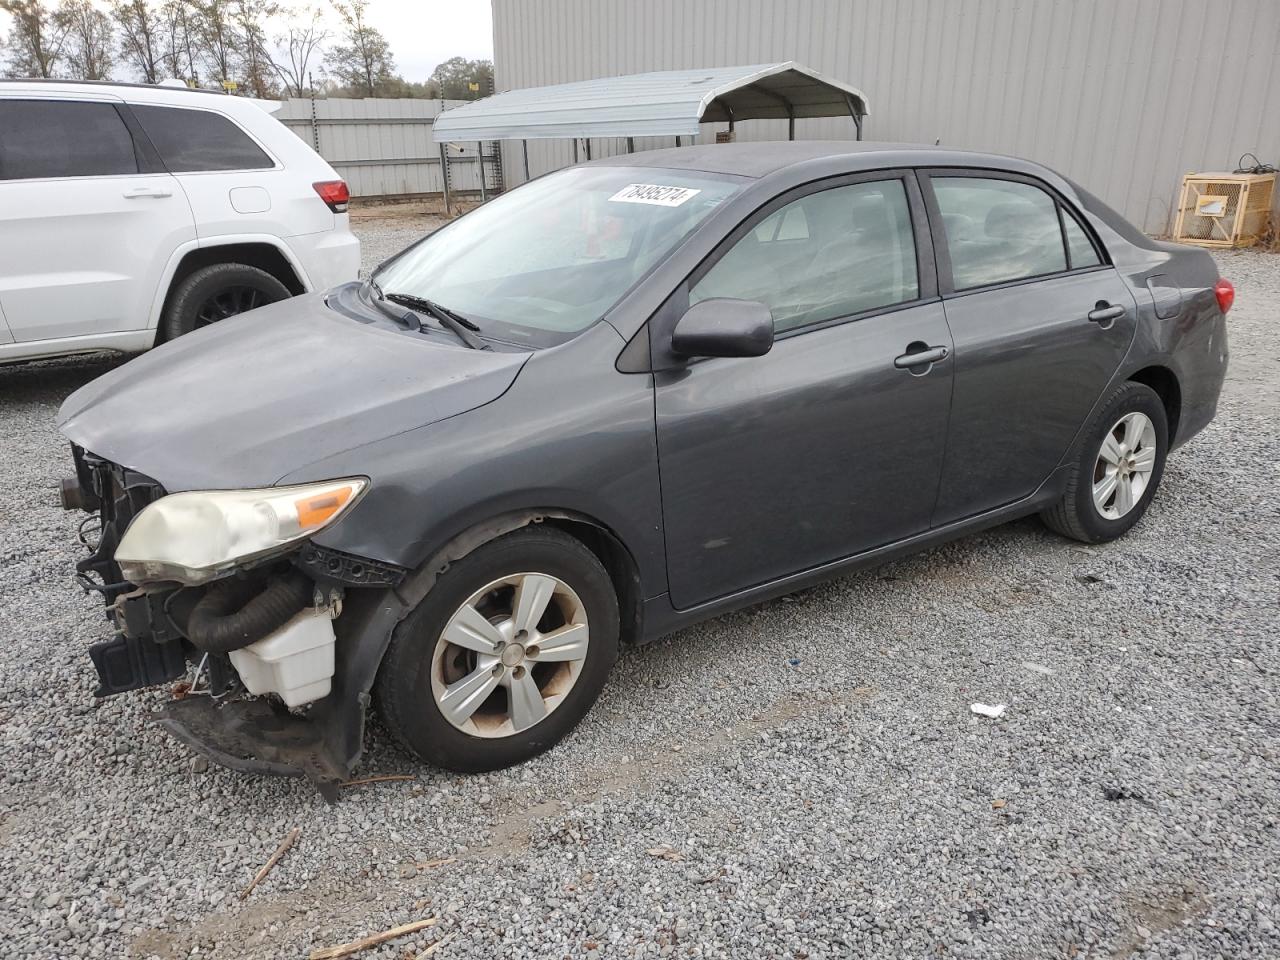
[254,737]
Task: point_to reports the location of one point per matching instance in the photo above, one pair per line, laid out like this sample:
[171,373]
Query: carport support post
[786,105]
[631,145]
[855,112]
[575,150]
[524,148]
[484,192]
[444,178]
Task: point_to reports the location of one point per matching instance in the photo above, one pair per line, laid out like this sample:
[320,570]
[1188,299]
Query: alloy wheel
[510,655]
[1125,463]
[228,302]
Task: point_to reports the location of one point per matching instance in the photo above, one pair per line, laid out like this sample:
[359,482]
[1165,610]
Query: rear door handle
[1106,314]
[921,358]
[147,193]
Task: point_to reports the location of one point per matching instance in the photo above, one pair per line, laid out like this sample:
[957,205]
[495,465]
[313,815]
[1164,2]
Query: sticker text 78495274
[653,193]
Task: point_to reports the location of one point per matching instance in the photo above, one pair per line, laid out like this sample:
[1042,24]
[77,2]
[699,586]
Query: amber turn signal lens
[314,511]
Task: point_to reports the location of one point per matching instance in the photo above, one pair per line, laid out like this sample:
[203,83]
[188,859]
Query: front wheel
[504,656]
[1120,461]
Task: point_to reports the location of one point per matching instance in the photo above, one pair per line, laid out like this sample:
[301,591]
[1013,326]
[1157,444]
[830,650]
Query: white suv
[130,215]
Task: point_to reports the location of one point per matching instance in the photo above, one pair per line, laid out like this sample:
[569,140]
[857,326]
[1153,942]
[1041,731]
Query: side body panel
[278,198]
[276,205]
[820,449]
[1185,334]
[82,256]
[570,435]
[1029,367]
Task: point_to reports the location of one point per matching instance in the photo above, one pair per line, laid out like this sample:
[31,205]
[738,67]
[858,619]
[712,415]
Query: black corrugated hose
[229,616]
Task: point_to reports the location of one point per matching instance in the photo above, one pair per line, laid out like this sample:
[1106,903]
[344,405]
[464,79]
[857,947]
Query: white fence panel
[384,148]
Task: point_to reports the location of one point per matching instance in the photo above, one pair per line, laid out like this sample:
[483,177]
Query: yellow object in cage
[1224,209]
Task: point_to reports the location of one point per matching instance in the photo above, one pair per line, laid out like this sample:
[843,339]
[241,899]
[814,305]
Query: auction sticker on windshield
[653,193]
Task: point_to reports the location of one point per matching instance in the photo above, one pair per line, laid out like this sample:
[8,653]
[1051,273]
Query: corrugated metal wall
[1124,96]
[383,147]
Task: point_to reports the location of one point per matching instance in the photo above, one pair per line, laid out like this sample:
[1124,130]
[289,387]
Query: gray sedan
[618,400]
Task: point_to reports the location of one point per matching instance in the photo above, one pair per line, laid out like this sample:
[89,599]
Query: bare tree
[363,60]
[90,39]
[178,42]
[296,48]
[141,32]
[250,17]
[34,47]
[218,40]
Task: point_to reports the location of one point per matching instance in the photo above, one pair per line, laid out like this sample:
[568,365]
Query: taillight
[1225,293]
[334,193]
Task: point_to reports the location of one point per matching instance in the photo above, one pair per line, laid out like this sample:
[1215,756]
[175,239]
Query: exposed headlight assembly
[194,537]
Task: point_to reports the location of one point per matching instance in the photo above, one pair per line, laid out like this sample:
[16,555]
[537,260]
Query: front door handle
[1105,314]
[925,356]
[141,193]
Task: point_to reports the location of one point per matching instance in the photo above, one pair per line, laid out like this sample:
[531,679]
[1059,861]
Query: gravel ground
[801,779]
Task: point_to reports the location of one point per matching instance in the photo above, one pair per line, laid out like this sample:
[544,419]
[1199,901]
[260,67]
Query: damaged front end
[284,636]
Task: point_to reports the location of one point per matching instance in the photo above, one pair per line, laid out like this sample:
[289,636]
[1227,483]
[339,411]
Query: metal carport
[668,103]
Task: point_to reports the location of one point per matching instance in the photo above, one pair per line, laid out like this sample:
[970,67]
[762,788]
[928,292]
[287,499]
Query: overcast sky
[425,32]
[422,33]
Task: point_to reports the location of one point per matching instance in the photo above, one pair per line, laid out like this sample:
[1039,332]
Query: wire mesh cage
[1224,209]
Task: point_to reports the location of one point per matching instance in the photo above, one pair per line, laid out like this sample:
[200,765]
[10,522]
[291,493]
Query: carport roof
[663,104]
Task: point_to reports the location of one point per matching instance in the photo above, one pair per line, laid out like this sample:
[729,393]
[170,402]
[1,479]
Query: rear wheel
[216,292]
[1120,461]
[504,656]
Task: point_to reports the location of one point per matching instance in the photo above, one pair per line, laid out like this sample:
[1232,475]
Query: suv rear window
[63,138]
[194,140]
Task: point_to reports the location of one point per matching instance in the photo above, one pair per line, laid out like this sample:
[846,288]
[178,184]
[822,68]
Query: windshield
[547,260]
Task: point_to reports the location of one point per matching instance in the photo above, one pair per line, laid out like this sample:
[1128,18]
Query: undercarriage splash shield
[253,737]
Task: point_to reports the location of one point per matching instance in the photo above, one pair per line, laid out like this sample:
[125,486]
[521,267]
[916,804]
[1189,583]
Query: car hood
[252,398]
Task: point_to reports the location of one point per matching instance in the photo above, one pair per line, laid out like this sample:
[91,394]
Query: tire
[216,292]
[421,663]
[1077,514]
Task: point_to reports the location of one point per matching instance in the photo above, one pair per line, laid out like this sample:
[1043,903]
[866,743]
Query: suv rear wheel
[216,292]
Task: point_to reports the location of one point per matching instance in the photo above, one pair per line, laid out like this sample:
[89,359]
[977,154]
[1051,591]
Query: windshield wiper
[406,318]
[464,329]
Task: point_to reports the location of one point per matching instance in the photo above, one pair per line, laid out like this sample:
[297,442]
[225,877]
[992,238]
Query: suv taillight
[334,193]
[1225,292]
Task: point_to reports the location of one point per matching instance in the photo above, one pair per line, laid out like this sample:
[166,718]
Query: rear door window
[190,141]
[1080,249]
[998,230]
[63,138]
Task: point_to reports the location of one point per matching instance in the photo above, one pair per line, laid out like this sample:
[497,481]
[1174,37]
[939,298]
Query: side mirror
[721,327]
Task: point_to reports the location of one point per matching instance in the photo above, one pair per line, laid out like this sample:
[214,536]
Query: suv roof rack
[53,81]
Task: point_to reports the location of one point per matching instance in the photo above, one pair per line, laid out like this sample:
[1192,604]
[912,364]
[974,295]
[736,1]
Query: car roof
[135,93]
[103,86]
[760,159]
